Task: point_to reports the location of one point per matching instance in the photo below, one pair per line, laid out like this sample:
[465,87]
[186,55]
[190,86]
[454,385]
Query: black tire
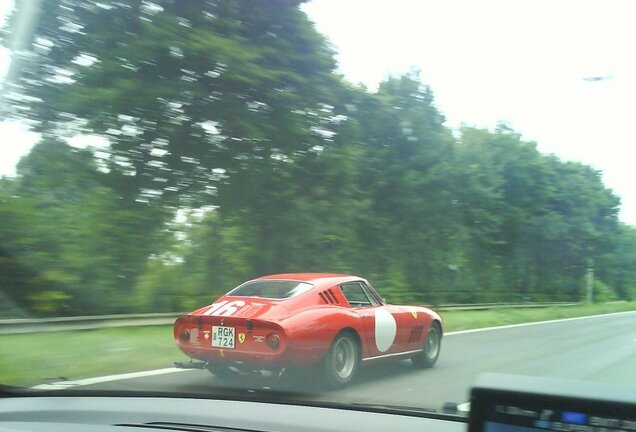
[432,346]
[340,365]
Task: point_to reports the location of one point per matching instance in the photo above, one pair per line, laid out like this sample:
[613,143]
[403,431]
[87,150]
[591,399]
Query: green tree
[77,236]
[188,93]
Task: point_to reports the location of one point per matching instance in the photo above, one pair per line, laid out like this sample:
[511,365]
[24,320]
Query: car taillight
[273,341]
[184,336]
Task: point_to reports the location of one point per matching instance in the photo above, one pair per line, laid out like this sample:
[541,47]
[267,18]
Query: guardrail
[481,306]
[39,325]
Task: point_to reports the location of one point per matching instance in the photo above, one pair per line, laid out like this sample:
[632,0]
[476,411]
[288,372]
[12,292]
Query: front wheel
[341,362]
[432,346]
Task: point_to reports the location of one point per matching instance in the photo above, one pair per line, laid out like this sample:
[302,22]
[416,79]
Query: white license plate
[223,337]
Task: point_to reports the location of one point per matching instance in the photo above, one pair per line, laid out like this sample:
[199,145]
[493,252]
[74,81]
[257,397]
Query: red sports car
[333,321]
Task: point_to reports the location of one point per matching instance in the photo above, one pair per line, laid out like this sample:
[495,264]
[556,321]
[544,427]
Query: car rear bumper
[218,355]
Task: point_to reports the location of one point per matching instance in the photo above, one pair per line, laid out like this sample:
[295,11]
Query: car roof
[318,279]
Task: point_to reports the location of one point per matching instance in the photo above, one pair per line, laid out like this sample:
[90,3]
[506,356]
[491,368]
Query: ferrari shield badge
[241,337]
[414,314]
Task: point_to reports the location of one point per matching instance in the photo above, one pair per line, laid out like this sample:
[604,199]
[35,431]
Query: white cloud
[16,141]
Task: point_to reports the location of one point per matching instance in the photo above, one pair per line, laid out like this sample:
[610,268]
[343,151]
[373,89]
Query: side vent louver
[328,297]
[416,334]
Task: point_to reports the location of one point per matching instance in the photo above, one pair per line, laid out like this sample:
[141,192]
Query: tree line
[235,149]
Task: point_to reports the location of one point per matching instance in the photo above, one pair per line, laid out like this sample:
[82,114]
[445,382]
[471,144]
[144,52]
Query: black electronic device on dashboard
[515,403]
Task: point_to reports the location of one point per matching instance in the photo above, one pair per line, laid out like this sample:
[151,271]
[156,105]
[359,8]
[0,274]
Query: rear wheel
[432,346]
[341,362]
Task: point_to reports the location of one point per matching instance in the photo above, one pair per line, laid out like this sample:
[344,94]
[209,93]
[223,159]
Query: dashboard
[514,403]
[137,414]
[499,403]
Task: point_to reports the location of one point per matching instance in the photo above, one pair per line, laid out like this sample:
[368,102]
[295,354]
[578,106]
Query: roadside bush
[603,293]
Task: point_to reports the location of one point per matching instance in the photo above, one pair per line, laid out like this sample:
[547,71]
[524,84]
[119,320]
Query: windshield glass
[271,289]
[448,184]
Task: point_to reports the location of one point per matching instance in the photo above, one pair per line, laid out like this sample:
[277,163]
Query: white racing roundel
[385,330]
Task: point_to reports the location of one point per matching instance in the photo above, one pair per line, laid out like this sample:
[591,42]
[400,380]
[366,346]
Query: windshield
[271,289]
[448,184]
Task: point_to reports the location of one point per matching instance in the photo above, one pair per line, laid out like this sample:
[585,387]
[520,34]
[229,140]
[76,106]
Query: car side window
[356,295]
[373,294]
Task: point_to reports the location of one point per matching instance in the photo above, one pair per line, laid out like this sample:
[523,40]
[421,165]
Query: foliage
[603,293]
[230,112]
[49,302]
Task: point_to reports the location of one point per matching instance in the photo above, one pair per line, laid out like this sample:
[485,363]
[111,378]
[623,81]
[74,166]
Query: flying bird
[598,78]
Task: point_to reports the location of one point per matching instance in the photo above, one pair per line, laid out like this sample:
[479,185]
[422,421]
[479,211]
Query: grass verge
[30,359]
[35,358]
[464,320]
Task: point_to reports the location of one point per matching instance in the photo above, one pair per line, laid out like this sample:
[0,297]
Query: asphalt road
[596,348]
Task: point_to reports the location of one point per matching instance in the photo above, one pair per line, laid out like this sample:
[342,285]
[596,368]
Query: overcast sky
[523,62]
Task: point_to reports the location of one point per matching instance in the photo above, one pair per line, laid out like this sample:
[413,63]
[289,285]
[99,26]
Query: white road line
[534,323]
[97,380]
[465,407]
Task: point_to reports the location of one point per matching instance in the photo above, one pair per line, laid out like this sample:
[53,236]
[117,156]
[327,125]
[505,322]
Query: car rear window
[274,289]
